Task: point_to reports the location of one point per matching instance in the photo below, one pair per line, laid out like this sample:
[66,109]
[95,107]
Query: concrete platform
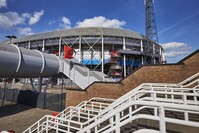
[19,117]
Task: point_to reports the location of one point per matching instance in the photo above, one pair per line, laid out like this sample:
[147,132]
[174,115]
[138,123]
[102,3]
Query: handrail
[151,85]
[189,79]
[98,120]
[121,101]
[83,103]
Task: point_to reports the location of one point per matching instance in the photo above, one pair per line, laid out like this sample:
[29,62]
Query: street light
[11,38]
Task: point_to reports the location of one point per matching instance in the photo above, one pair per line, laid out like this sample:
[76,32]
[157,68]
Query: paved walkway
[19,117]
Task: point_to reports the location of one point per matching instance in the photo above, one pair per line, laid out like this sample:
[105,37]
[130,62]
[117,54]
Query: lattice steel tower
[151,30]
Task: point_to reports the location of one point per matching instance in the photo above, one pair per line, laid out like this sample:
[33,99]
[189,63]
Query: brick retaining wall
[163,73]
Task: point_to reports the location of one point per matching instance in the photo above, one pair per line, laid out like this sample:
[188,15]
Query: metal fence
[49,101]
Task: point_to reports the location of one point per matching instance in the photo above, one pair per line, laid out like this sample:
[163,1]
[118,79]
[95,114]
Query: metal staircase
[163,103]
[80,74]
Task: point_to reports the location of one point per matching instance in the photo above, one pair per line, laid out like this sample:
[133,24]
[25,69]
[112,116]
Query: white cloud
[175,49]
[65,22]
[175,54]
[36,17]
[24,31]
[10,19]
[173,45]
[101,21]
[26,15]
[51,22]
[3,3]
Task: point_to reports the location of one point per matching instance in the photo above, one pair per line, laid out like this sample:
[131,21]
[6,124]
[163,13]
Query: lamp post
[11,38]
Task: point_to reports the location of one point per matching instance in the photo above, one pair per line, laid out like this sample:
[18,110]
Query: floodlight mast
[151,30]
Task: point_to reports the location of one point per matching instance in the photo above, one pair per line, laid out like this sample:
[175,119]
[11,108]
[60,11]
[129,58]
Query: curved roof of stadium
[86,31]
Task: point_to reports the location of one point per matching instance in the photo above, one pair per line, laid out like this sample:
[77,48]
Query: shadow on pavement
[7,110]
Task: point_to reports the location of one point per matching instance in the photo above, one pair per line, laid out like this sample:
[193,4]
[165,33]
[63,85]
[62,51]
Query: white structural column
[160,51]
[142,60]
[142,57]
[163,57]
[153,48]
[162,54]
[60,46]
[43,48]
[141,44]
[102,59]
[29,43]
[124,59]
[80,49]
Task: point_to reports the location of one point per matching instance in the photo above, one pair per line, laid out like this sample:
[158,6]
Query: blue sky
[177,20]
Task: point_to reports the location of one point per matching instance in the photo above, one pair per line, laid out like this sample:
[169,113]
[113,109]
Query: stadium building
[115,52]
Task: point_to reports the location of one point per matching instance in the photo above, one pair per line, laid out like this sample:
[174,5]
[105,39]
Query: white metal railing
[194,77]
[147,92]
[167,88]
[94,105]
[117,119]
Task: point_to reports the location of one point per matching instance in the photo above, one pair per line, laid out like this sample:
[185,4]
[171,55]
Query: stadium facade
[115,52]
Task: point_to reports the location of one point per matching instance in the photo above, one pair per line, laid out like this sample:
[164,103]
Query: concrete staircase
[81,75]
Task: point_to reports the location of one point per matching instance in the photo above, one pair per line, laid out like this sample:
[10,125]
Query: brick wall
[167,73]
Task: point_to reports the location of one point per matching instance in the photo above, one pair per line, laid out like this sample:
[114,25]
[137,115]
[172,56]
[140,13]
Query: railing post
[186,116]
[117,122]
[154,96]
[195,97]
[38,127]
[156,111]
[68,125]
[47,124]
[152,91]
[92,107]
[172,97]
[57,125]
[130,111]
[111,122]
[79,118]
[96,126]
[88,114]
[166,95]
[185,99]
[162,124]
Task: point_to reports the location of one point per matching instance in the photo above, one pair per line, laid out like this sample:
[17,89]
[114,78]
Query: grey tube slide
[18,62]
